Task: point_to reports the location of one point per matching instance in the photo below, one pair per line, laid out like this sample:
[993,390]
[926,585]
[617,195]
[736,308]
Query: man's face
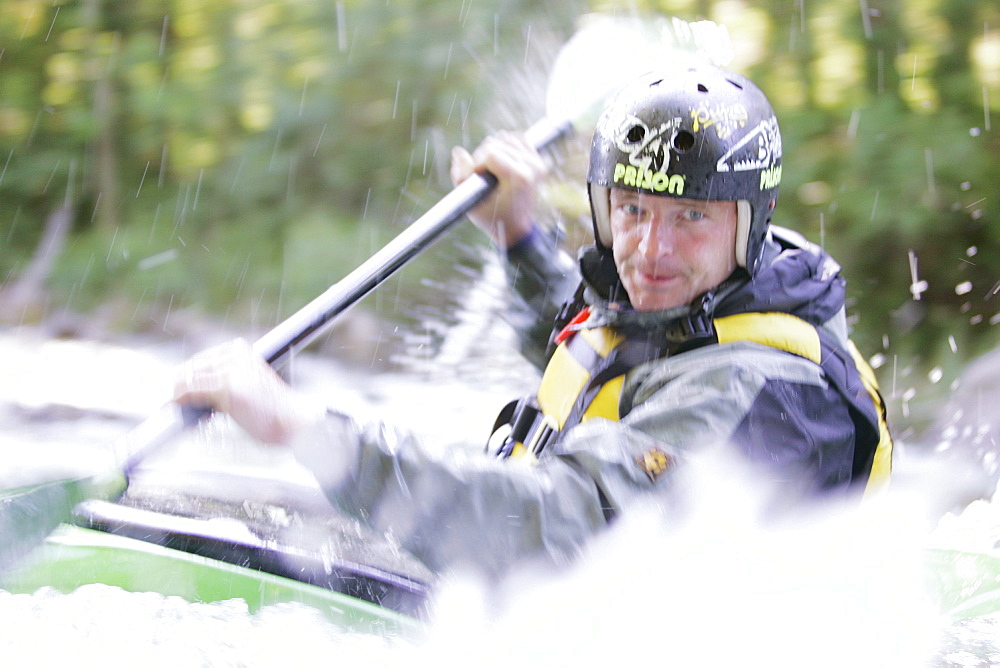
[668,250]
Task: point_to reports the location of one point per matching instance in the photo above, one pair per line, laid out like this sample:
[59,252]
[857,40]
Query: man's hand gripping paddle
[603,54]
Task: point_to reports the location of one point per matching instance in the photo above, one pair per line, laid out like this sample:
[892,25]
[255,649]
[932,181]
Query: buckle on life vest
[529,430]
[518,416]
[690,331]
[541,435]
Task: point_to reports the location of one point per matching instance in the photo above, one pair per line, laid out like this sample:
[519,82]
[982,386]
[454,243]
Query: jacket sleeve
[464,509]
[541,278]
[457,509]
[461,508]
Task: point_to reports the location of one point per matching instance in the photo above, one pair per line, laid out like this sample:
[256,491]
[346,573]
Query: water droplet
[963,288]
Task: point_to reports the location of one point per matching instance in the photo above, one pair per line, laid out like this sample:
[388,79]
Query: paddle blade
[29,514]
[606,52]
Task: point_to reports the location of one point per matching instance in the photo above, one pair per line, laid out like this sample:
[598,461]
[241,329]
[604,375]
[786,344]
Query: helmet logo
[648,152]
[759,149]
[647,179]
[725,119]
[646,147]
[770,178]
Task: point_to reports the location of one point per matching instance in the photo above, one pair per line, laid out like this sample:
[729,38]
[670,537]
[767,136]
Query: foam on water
[836,587]
[98,625]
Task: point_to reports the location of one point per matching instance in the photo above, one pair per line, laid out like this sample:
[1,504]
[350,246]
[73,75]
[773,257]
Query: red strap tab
[568,330]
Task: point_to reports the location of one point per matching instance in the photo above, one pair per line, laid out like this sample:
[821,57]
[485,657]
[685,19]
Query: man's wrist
[527,240]
[305,417]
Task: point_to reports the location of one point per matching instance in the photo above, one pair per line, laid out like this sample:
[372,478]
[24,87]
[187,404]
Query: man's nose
[657,239]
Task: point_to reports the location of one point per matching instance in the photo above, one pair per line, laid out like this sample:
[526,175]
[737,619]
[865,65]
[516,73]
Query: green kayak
[206,550]
[966,584]
[74,556]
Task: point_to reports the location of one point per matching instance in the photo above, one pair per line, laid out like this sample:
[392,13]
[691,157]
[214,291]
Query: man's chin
[648,304]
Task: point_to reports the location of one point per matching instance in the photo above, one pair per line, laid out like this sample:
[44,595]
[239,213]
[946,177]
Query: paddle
[604,53]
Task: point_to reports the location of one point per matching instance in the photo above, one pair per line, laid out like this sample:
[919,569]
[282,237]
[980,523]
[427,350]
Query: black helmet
[697,132]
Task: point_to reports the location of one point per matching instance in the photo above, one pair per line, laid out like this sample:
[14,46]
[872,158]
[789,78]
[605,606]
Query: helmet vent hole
[683,141]
[702,88]
[636,133]
[735,84]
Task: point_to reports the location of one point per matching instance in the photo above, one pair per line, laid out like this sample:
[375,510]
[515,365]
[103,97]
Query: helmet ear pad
[744,218]
[600,207]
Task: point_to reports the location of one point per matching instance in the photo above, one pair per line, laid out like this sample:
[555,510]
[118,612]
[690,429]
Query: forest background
[229,159]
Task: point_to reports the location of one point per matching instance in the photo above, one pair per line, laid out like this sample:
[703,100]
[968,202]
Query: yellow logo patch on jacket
[655,463]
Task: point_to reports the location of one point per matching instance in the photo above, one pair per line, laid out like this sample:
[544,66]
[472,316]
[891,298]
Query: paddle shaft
[311,320]
[307,323]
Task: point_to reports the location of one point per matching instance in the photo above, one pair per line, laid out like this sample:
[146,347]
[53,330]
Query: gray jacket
[469,510]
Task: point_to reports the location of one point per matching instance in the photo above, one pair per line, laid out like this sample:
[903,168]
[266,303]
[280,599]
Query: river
[720,587]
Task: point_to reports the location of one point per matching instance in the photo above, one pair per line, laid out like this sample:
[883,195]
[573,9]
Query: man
[695,323]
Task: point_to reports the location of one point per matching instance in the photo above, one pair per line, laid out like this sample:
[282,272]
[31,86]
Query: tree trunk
[804,53]
[105,181]
[24,300]
[884,39]
[953,73]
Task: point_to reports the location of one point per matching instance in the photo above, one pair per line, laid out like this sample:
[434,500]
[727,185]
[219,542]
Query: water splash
[98,625]
[834,587]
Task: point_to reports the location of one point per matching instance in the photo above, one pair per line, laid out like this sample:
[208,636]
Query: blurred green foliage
[202,140]
[237,156]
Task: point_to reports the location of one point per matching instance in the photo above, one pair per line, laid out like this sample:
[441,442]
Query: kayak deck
[207,542]
[232,542]
[75,556]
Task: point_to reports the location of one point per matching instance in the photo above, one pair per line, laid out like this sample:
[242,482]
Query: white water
[720,588]
[99,625]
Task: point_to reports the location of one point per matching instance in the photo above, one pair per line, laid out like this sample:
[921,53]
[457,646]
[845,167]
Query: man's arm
[459,510]
[541,278]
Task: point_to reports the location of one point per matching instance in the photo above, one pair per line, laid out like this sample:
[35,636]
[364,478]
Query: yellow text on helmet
[770,178]
[647,179]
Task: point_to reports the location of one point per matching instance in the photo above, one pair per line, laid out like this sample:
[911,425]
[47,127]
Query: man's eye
[693,214]
[631,209]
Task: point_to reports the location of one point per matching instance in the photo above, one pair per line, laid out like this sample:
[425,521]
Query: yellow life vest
[584,379]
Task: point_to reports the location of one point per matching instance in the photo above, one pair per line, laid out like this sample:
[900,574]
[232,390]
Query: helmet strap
[744,215]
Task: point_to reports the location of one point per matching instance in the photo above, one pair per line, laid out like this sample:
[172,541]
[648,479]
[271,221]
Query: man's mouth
[657,276]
